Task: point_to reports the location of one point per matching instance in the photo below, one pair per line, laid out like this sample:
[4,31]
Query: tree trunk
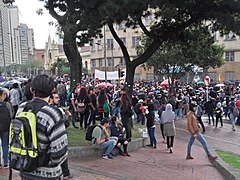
[129,80]
[74,58]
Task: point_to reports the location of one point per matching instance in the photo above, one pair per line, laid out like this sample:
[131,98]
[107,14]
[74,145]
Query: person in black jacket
[219,113]
[149,114]
[117,130]
[126,115]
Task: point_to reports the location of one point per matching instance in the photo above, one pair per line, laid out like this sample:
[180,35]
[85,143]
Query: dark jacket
[117,131]
[150,119]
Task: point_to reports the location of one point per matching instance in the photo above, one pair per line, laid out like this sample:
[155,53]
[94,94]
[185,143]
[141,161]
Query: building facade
[5,46]
[112,51]
[230,70]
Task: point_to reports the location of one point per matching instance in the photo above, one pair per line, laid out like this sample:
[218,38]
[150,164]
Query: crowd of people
[113,113]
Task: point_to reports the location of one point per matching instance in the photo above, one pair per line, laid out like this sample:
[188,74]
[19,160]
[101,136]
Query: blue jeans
[116,112]
[210,114]
[151,134]
[232,119]
[110,144]
[201,139]
[178,113]
[4,139]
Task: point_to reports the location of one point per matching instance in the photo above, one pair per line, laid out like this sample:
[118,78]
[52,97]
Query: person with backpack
[50,135]
[6,115]
[102,140]
[83,107]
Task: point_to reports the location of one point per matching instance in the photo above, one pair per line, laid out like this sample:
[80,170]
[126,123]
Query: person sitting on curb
[193,128]
[101,142]
[118,131]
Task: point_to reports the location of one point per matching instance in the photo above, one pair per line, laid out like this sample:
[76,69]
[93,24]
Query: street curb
[89,151]
[225,169]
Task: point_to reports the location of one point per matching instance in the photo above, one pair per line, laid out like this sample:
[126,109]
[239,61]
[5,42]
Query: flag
[219,78]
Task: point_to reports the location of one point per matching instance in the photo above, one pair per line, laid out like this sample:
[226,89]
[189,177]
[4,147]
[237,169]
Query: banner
[110,75]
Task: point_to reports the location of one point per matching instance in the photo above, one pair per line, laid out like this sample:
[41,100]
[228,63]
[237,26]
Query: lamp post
[104,54]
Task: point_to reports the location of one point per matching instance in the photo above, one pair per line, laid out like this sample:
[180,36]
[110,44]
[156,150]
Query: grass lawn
[231,159]
[76,137]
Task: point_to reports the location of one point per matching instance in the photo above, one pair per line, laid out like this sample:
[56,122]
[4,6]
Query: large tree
[171,18]
[175,58]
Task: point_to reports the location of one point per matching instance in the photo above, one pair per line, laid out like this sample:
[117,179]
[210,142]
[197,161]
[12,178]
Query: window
[100,62]
[122,61]
[99,45]
[86,65]
[123,39]
[229,56]
[93,63]
[229,75]
[110,44]
[135,41]
[110,62]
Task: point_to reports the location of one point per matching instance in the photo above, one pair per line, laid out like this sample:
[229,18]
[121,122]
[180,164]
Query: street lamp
[104,54]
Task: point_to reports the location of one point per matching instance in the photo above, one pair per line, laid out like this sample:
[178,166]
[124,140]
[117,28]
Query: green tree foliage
[174,58]
[170,20]
[30,64]
[62,66]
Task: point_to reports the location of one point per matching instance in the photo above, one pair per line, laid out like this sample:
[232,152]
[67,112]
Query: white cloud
[39,23]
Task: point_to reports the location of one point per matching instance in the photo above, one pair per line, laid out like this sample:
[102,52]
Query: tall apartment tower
[5,44]
[26,38]
[14,33]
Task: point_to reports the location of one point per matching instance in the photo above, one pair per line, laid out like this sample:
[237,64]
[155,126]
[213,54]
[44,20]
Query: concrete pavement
[159,164]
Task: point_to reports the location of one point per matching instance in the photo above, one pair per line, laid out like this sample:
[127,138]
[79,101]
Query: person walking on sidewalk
[101,142]
[219,113]
[198,114]
[195,134]
[168,117]
[150,125]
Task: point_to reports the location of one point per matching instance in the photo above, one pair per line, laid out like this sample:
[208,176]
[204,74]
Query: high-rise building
[26,38]
[14,33]
[5,45]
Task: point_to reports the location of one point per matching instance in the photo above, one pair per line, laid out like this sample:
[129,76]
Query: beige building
[230,70]
[114,56]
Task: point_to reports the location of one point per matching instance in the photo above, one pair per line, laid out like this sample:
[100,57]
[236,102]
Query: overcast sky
[39,23]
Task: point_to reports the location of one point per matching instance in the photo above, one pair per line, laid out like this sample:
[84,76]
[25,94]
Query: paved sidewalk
[148,163]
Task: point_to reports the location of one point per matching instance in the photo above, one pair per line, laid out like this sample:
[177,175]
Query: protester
[219,113]
[15,97]
[54,101]
[126,115]
[195,134]
[117,130]
[168,117]
[5,119]
[51,133]
[102,140]
[150,116]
